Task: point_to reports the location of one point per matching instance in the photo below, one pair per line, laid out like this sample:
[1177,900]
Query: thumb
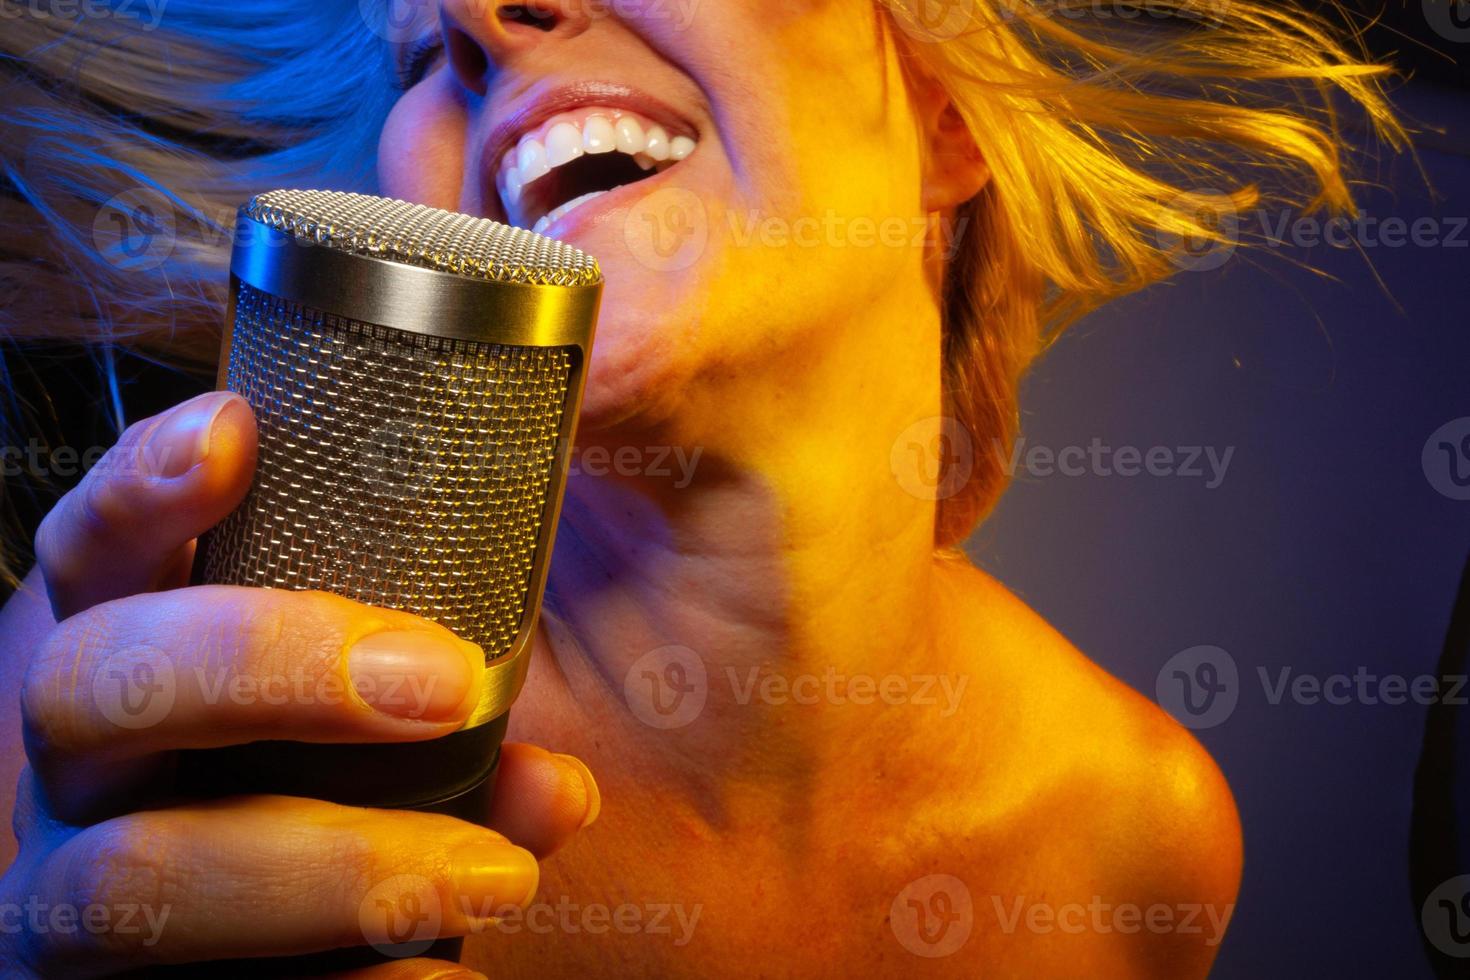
[130,525]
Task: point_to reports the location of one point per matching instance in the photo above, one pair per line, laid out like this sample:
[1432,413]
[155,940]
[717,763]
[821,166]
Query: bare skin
[792,827]
[794,551]
[1052,790]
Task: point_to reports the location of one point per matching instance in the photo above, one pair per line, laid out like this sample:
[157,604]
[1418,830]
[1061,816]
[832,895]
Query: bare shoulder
[1124,805]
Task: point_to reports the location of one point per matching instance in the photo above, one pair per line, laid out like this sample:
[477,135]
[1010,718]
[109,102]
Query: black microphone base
[441,775]
[310,965]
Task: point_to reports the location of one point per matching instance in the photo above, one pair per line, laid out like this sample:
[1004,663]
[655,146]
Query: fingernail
[488,877]
[181,441]
[414,674]
[589,787]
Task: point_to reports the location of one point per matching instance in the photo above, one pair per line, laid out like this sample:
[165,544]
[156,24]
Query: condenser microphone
[416,377]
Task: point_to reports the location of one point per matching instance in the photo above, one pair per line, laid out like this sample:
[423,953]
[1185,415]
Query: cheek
[421,152]
[834,138]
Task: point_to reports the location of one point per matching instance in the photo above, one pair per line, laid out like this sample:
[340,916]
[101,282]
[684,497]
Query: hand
[111,874]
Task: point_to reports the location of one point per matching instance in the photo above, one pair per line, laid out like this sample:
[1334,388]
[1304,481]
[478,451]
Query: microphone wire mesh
[395,468]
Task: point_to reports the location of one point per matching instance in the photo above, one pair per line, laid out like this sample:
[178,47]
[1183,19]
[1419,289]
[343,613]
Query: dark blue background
[1325,549]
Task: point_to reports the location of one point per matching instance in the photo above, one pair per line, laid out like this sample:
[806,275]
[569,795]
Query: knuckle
[247,632]
[49,540]
[313,870]
[94,510]
[133,435]
[55,552]
[309,864]
[102,501]
[53,713]
[45,705]
[30,821]
[105,877]
[279,634]
[364,864]
[116,861]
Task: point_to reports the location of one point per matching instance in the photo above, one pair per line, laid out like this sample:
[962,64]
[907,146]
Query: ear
[954,168]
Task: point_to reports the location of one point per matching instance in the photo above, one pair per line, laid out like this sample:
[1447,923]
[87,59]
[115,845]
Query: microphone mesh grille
[395,468]
[414,234]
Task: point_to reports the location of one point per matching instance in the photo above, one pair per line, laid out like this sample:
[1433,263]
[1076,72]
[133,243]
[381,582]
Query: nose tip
[482,37]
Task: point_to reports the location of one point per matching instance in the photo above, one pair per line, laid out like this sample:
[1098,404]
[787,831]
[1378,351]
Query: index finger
[212,666]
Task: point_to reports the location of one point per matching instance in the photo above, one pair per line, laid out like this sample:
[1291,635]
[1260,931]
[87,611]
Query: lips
[576,144]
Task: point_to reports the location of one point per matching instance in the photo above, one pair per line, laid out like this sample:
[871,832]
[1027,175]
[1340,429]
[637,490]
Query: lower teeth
[561,209]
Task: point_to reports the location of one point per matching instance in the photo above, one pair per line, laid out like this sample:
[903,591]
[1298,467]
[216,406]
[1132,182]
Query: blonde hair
[1109,135]
[1115,133]
[175,123]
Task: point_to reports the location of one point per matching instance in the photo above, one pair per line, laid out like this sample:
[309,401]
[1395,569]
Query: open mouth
[578,156]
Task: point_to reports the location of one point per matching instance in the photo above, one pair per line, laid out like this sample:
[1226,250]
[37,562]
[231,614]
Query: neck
[773,579]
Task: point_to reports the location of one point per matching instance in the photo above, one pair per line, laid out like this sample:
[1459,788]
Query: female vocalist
[834,235]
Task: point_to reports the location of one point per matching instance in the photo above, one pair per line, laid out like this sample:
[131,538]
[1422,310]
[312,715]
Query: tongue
[561,209]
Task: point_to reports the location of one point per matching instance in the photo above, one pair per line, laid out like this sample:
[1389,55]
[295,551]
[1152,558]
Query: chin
[640,363]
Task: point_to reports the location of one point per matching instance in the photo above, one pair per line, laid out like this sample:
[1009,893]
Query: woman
[896,767]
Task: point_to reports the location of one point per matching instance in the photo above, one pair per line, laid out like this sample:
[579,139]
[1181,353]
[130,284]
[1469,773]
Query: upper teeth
[567,137]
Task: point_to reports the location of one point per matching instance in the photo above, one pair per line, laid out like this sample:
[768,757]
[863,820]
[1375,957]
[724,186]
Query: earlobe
[954,165]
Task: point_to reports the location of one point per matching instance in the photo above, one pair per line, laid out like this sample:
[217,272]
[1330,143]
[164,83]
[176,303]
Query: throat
[737,663]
